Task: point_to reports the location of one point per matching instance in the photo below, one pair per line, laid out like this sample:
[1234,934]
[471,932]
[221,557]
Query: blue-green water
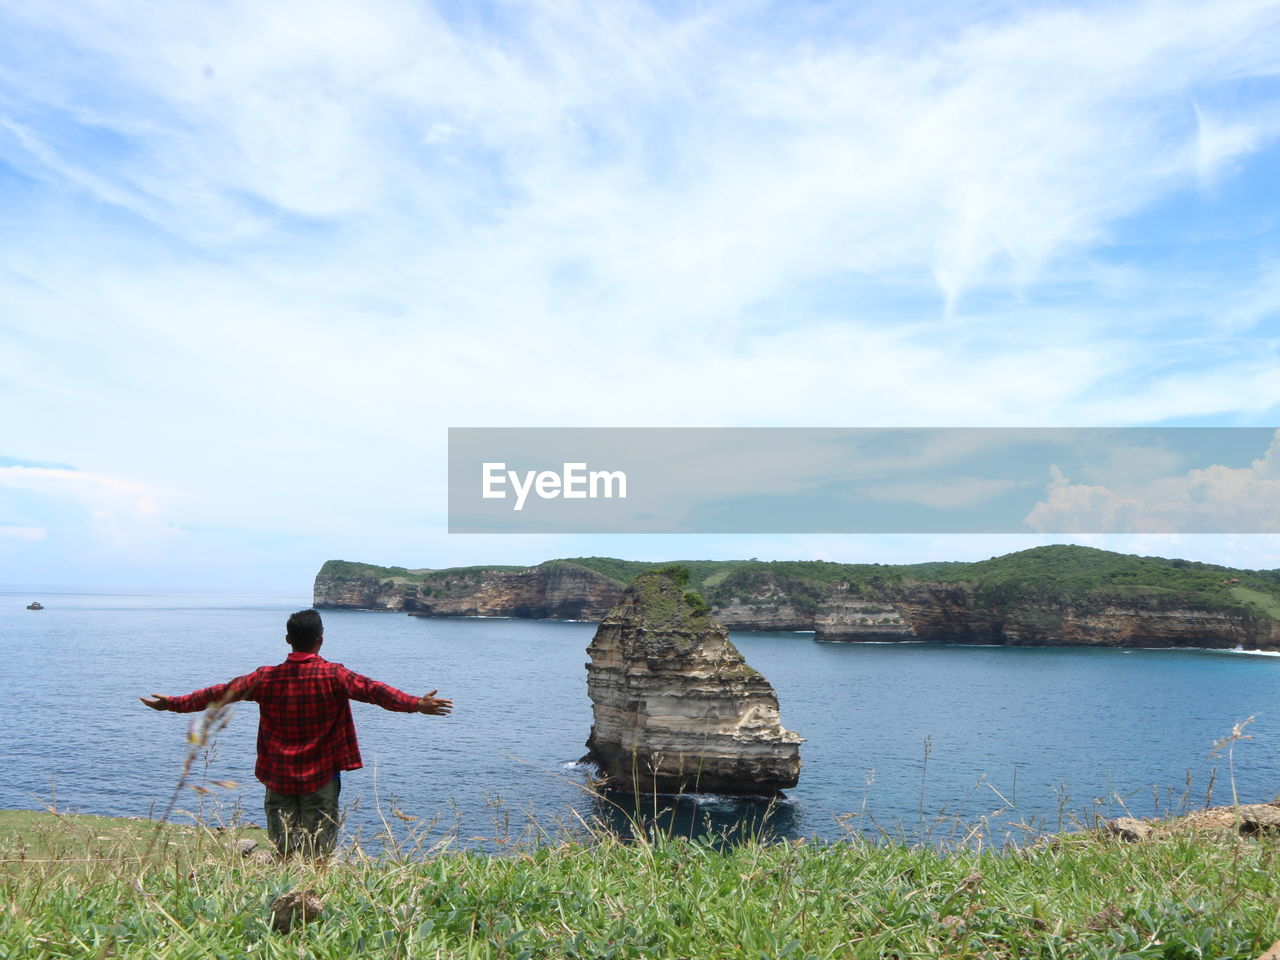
[1057,733]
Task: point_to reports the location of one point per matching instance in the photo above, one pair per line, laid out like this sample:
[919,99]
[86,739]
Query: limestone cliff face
[552,591]
[676,708]
[763,601]
[886,611]
[360,593]
[852,617]
[764,613]
[953,613]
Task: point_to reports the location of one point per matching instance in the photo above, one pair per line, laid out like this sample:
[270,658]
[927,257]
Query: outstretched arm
[241,688]
[360,687]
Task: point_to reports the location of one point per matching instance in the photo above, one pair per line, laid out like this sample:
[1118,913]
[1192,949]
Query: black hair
[304,629]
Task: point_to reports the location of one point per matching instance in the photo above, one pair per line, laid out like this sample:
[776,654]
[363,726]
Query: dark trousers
[304,823]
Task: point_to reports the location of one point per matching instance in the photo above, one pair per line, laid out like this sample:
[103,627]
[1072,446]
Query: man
[306,736]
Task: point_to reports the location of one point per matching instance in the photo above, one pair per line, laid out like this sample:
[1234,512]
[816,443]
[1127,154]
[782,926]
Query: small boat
[35,605]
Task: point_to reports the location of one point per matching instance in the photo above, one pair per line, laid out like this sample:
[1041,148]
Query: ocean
[909,740]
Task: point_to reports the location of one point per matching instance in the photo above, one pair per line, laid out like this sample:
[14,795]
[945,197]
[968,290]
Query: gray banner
[864,480]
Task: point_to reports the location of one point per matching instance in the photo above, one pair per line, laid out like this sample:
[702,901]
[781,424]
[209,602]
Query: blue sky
[256,259]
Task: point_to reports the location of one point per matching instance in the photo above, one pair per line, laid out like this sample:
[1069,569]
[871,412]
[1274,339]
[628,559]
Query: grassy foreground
[98,887]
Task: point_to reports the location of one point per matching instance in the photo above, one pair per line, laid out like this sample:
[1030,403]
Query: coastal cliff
[850,617]
[965,613]
[363,586]
[556,590]
[550,591]
[675,707]
[1052,595]
[763,613]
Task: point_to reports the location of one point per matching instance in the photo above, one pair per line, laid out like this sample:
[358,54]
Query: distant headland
[1051,595]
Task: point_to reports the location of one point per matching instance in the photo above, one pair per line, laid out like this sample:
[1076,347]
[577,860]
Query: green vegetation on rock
[349,570]
[1056,572]
[624,571]
[1267,604]
[459,581]
[663,601]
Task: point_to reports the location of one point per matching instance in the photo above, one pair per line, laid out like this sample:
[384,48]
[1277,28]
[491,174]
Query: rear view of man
[306,735]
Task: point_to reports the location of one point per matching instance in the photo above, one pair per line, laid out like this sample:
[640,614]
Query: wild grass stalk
[1228,743]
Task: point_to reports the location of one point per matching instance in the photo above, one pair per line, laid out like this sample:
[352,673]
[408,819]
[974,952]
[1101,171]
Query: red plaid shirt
[305,730]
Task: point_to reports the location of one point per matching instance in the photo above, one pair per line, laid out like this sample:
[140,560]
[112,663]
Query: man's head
[304,631]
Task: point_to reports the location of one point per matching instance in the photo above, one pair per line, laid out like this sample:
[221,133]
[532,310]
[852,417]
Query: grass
[196,896]
[1265,602]
[32,838]
[702,573]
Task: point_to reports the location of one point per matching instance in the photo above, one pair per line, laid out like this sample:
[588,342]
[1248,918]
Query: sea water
[900,739]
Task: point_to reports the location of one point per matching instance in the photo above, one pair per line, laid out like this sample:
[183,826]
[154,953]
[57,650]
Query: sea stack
[676,708]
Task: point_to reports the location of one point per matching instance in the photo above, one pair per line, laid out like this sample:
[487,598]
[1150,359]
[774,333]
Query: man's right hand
[157,701]
[435,706]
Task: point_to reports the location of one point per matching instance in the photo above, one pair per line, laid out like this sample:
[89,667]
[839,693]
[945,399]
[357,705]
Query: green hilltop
[1061,571]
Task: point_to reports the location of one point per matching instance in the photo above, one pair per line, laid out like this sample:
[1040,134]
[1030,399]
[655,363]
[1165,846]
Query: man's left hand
[157,701]
[434,706]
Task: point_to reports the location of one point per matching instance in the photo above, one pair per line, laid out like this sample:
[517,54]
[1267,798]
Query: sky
[256,259]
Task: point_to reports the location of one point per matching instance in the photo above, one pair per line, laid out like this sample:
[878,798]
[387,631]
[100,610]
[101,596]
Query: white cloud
[1210,499]
[264,255]
[13,532]
[1087,508]
[948,493]
[121,516]
[699,155]
[1219,141]
[72,482]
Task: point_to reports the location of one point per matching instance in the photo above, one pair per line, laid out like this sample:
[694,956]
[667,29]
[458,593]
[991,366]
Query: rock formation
[359,593]
[850,617]
[956,613]
[549,591]
[767,612]
[1247,819]
[676,708]
[1024,599]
